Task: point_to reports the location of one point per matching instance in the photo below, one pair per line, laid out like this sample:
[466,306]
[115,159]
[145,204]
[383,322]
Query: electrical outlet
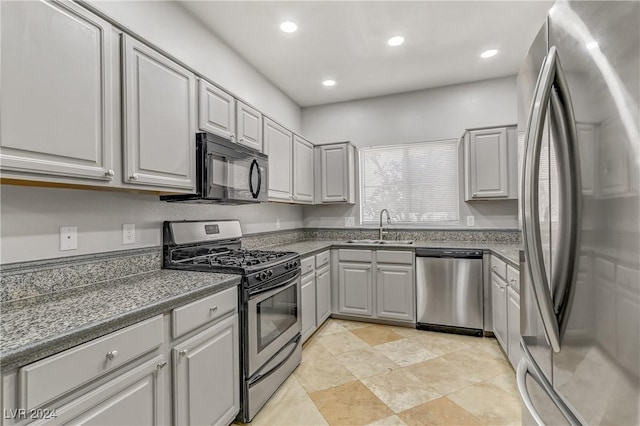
[68,238]
[128,233]
[471,221]
[350,221]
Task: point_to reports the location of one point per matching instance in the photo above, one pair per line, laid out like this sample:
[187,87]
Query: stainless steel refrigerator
[578,97]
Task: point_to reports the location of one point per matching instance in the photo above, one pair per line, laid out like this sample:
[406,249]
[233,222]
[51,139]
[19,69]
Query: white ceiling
[346,41]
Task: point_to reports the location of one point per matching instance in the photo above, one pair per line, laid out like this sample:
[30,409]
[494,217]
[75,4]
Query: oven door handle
[261,375]
[269,291]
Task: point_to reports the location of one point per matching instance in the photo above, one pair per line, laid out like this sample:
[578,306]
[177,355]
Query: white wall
[433,114]
[171,28]
[30,219]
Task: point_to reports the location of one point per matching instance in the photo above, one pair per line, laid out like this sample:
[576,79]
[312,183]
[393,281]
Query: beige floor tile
[441,343]
[366,362]
[289,390]
[322,373]
[491,346]
[376,334]
[489,403]
[350,404]
[443,375]
[349,325]
[313,350]
[479,364]
[400,390]
[407,331]
[506,382]
[389,421]
[338,343]
[298,411]
[441,411]
[406,351]
[330,327]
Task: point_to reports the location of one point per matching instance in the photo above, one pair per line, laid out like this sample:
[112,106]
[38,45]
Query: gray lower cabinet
[513,315]
[159,119]
[57,94]
[499,309]
[308,301]
[395,292]
[323,294]
[355,289]
[206,374]
[136,397]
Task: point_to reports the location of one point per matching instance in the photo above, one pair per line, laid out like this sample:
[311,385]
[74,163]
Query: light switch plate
[128,233]
[350,221]
[68,238]
[471,221]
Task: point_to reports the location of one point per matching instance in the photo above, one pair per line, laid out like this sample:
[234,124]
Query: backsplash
[265,239]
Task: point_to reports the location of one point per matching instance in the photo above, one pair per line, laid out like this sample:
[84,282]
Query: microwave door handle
[254,164]
[259,179]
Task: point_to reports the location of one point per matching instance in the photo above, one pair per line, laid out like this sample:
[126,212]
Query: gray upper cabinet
[336,163]
[57,94]
[217,112]
[278,145]
[395,292]
[491,164]
[159,119]
[249,126]
[302,170]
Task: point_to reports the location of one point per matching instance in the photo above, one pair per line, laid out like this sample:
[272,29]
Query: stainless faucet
[382,232]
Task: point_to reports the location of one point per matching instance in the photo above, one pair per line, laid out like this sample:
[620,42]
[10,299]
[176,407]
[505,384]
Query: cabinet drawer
[355,255]
[322,258]
[307,265]
[513,278]
[391,256]
[51,377]
[499,267]
[200,312]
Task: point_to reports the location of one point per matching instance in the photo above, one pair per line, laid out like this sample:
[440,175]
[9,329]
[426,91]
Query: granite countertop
[34,328]
[508,252]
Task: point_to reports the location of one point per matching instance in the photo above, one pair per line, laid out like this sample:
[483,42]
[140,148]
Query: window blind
[417,182]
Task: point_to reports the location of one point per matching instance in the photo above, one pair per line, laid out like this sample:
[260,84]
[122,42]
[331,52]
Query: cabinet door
[206,376]
[513,314]
[308,301]
[323,294]
[488,163]
[302,170]
[334,173]
[159,119]
[57,93]
[249,126]
[355,286]
[217,111]
[278,145]
[136,397]
[499,309]
[395,292]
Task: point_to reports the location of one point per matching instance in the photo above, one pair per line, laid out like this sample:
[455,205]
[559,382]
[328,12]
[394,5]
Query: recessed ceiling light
[489,53]
[592,45]
[288,27]
[395,41]
[329,83]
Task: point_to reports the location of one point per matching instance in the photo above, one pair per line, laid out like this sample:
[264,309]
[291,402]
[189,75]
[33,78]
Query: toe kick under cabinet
[375,284]
[144,374]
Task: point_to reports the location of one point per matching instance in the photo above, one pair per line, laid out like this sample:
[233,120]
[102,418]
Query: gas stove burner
[245,258]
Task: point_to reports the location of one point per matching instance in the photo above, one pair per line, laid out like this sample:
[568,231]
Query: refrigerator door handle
[521,379]
[531,216]
[563,278]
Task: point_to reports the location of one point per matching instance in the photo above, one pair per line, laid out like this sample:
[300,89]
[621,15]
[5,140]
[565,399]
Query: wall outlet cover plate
[68,238]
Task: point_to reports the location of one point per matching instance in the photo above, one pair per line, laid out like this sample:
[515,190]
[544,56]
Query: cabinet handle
[213,309]
[512,280]
[475,194]
[241,140]
[134,176]
[110,173]
[111,355]
[161,364]
[232,136]
[183,352]
[494,267]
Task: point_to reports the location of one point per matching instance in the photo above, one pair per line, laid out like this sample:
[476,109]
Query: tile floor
[355,373]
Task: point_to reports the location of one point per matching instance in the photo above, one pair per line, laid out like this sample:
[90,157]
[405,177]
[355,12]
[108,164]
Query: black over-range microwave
[226,173]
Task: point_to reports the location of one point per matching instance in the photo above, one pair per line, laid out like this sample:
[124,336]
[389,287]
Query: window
[417,182]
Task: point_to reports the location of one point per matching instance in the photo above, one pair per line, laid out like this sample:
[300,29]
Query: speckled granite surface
[37,327]
[509,236]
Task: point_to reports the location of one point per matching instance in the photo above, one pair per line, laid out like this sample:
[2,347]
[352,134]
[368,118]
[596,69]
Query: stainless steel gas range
[270,320]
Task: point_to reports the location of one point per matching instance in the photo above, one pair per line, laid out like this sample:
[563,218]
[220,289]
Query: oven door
[235,174]
[273,320]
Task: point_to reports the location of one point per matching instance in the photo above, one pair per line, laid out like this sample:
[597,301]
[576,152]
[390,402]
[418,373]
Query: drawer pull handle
[494,267]
[213,309]
[111,355]
[161,364]
[183,352]
[512,280]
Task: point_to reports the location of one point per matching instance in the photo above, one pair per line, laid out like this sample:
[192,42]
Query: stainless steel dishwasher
[449,290]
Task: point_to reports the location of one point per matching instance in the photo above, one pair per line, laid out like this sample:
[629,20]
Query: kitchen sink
[381,242]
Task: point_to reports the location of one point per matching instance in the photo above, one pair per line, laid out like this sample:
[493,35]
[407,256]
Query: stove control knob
[269,273]
[262,276]
[295,264]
